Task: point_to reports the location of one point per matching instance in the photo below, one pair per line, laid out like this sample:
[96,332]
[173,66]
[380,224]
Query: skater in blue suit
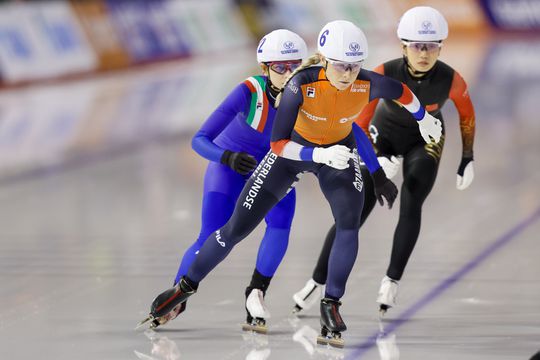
[234,139]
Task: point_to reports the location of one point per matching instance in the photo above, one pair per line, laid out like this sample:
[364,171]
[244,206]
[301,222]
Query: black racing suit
[395,132]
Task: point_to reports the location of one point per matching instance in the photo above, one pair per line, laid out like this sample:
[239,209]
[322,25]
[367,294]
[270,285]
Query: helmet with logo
[422,23]
[343,41]
[281,45]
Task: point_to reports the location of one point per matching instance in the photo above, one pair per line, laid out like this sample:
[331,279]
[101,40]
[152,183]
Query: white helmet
[343,41]
[281,45]
[422,23]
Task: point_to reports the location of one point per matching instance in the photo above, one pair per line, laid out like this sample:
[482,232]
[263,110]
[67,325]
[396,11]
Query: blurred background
[79,77]
[100,190]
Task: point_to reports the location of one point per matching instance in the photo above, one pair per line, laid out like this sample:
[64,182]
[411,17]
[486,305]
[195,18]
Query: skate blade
[255,328]
[337,343]
[297,309]
[141,324]
[154,324]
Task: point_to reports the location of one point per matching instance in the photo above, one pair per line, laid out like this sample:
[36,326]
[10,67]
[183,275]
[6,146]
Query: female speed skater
[421,31]
[313,132]
[234,139]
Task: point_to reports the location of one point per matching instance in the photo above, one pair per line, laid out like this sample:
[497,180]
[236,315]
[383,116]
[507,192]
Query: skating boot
[310,294]
[178,309]
[331,324]
[167,305]
[387,294]
[257,313]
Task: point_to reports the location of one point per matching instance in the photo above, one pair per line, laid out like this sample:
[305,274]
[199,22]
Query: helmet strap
[273,91]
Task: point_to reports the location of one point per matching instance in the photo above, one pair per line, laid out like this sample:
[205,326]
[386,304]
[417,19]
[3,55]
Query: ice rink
[99,202]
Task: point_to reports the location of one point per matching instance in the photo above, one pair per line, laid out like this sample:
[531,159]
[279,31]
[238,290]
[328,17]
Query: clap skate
[310,294]
[387,294]
[178,309]
[257,313]
[331,324]
[167,305]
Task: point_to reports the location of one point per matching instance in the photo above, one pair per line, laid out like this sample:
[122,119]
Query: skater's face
[279,71]
[421,55]
[341,74]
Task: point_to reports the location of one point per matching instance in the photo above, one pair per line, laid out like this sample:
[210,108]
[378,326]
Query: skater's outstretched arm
[460,96]
[388,88]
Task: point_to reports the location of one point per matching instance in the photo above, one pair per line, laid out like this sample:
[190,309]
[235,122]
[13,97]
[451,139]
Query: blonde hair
[312,60]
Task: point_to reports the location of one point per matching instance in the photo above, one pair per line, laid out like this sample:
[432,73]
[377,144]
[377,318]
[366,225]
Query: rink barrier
[62,39]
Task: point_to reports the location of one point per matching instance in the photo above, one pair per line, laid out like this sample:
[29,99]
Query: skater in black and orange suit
[393,132]
[314,132]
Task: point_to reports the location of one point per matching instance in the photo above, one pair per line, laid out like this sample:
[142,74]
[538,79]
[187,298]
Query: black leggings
[419,174]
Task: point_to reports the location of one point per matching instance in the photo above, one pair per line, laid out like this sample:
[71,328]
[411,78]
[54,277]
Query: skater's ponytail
[312,60]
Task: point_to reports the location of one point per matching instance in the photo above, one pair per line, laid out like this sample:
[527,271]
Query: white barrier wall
[47,39]
[209,26]
[41,40]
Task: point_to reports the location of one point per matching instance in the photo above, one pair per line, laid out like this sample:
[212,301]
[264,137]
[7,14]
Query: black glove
[384,188]
[241,162]
[465,160]
[465,173]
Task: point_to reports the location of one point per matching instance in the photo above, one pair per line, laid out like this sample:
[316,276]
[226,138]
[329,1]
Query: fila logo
[310,92]
[259,105]
[218,238]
